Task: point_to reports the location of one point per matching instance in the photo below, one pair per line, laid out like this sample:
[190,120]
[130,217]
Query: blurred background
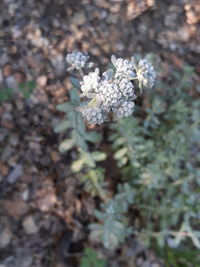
[37,202]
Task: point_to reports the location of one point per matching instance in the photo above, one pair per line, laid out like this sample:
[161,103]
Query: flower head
[146,73]
[77,60]
[124,110]
[126,87]
[109,93]
[124,67]
[113,91]
[90,83]
[93,115]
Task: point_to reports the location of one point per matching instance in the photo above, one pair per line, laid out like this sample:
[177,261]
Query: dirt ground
[44,211]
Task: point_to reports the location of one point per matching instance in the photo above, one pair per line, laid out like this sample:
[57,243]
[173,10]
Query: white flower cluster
[77,60]
[90,83]
[93,115]
[124,67]
[146,73]
[112,93]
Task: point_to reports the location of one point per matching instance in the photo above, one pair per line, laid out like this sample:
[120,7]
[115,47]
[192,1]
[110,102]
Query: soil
[44,211]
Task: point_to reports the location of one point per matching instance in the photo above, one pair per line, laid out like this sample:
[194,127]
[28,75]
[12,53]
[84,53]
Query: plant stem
[81,72]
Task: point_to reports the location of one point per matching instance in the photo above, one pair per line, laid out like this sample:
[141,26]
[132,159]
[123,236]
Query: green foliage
[113,227]
[86,162]
[87,159]
[157,159]
[6,94]
[25,88]
[158,156]
[90,259]
[179,257]
[75,124]
[94,182]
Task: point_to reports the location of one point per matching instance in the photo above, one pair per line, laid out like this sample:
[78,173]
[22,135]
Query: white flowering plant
[152,151]
[159,157]
[98,98]
[110,96]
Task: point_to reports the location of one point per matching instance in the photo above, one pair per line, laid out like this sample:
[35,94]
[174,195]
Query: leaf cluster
[25,88]
[159,157]
[91,259]
[113,226]
[80,138]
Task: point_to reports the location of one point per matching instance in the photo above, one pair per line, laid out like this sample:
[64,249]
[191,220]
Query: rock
[1,77]
[36,147]
[112,19]
[15,208]
[29,225]
[9,261]
[25,195]
[5,237]
[58,63]
[146,263]
[7,152]
[45,161]
[55,156]
[156,264]
[7,70]
[24,257]
[19,77]
[47,202]
[136,8]
[4,58]
[7,121]
[7,108]
[10,82]
[12,161]
[14,140]
[42,80]
[26,261]
[20,104]
[8,124]
[33,62]
[79,19]
[3,169]
[15,174]
[3,134]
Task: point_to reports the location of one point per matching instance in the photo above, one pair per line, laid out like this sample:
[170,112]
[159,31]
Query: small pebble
[15,174]
[29,225]
[5,237]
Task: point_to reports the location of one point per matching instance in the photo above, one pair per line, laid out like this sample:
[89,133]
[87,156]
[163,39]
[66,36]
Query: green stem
[92,103]
[99,189]
[81,72]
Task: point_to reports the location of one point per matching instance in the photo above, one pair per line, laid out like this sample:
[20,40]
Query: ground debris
[39,195]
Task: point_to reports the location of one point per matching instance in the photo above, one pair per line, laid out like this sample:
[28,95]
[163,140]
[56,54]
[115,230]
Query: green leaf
[31,85]
[80,141]
[9,92]
[93,137]
[77,165]
[27,88]
[66,145]
[88,159]
[75,82]
[5,94]
[80,125]
[65,107]
[120,153]
[98,156]
[91,259]
[74,96]
[63,125]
